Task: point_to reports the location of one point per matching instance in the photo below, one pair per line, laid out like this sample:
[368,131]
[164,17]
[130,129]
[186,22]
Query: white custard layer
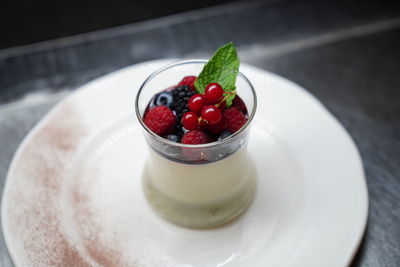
[202,183]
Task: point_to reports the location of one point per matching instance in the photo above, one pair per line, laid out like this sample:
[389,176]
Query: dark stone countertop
[344,53]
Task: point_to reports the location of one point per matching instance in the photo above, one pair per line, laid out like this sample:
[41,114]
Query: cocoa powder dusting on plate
[34,215]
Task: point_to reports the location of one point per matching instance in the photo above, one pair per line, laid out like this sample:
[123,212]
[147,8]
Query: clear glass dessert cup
[203,185]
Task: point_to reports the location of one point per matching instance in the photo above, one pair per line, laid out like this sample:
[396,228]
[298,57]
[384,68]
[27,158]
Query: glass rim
[207,145]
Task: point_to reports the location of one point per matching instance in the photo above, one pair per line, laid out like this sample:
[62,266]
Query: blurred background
[54,45]
[23,22]
[346,53]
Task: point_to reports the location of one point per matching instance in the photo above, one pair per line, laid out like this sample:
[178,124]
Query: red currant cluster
[180,115]
[204,109]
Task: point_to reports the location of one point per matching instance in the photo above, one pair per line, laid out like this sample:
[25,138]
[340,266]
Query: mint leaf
[222,68]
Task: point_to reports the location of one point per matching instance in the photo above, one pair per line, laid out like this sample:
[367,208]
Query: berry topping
[164,99]
[217,128]
[181,96]
[211,114]
[196,103]
[173,137]
[224,135]
[188,80]
[235,119]
[213,93]
[190,121]
[161,120]
[200,109]
[195,138]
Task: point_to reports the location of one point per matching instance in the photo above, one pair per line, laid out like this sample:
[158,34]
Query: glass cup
[197,185]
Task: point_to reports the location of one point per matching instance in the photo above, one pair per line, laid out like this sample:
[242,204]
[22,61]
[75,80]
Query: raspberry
[235,119]
[188,80]
[217,128]
[160,120]
[195,138]
[239,104]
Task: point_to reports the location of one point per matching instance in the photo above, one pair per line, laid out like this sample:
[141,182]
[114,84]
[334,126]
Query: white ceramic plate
[73,193]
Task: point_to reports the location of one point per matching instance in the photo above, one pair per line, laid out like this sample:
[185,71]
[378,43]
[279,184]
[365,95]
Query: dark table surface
[345,53]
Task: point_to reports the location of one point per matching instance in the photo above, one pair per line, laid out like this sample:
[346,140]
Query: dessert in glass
[198,173]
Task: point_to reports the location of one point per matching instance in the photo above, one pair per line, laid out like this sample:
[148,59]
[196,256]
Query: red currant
[211,114]
[213,93]
[190,121]
[188,80]
[196,103]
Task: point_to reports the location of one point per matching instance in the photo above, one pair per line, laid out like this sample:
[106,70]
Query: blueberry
[179,131]
[173,138]
[184,130]
[152,103]
[164,99]
[224,135]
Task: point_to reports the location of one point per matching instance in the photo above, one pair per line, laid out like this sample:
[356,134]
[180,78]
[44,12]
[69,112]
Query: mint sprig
[223,69]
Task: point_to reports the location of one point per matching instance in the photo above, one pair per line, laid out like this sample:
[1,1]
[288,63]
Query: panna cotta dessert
[199,172]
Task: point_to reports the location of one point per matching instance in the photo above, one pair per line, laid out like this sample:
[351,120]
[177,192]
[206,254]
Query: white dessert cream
[198,195]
